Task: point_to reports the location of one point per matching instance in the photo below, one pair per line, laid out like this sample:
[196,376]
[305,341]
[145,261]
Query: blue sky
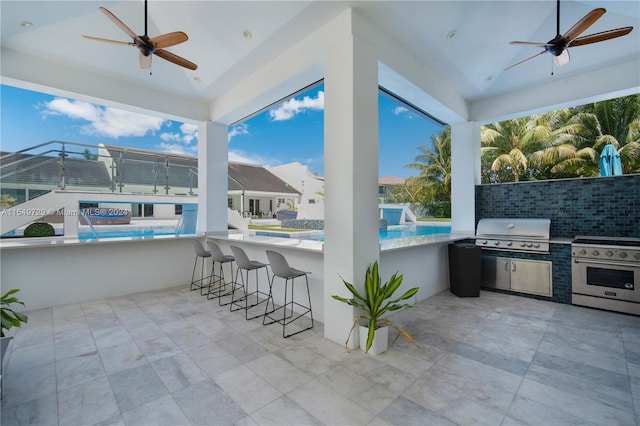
[291,131]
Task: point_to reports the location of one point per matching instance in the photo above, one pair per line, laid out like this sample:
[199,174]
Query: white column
[465,174]
[71,218]
[351,177]
[213,171]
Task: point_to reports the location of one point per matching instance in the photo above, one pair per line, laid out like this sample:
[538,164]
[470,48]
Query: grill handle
[602,262]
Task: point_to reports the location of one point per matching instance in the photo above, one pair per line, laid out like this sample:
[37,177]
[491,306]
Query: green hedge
[39,229]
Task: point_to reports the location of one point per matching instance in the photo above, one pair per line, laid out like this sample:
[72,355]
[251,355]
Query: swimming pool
[400,231]
[119,233]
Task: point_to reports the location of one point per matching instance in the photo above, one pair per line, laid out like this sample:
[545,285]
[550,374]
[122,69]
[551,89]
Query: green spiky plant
[377,302]
[8,316]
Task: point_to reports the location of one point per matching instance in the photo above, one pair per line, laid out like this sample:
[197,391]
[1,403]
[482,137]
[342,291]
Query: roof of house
[390,181]
[20,168]
[257,178]
[144,167]
[137,167]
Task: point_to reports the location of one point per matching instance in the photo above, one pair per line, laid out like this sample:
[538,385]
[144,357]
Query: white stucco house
[310,186]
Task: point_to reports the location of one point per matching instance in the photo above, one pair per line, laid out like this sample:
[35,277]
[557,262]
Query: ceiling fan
[560,44]
[149,45]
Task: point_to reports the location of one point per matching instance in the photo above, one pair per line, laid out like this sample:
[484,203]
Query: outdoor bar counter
[422,260]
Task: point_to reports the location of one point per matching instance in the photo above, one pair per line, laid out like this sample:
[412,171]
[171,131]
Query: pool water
[401,231]
[88,235]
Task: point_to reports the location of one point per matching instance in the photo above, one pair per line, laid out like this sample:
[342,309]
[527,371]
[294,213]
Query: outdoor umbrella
[610,164]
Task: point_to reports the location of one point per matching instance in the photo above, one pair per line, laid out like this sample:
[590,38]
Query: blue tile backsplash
[601,206]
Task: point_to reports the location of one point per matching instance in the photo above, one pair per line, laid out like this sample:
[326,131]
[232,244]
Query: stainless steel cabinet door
[496,272]
[531,276]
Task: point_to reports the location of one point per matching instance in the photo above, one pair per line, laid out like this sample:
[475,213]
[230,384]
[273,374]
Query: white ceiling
[473,59]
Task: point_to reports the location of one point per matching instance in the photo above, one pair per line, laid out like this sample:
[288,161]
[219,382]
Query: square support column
[213,174]
[465,174]
[351,178]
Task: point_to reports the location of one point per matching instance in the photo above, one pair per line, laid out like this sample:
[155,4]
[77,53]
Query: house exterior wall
[311,186]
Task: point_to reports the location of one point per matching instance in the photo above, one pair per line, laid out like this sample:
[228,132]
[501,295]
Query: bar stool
[217,283]
[244,264]
[201,254]
[280,268]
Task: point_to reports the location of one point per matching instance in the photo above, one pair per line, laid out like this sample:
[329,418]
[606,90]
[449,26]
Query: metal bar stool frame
[203,254]
[243,263]
[220,290]
[280,268]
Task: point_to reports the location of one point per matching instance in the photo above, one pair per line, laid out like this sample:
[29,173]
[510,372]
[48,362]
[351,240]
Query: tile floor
[174,358]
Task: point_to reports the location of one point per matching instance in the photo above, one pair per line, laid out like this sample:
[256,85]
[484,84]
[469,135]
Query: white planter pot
[4,342]
[380,340]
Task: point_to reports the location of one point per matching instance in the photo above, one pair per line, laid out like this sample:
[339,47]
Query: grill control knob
[497,243]
[623,255]
[536,245]
[522,244]
[637,256]
[583,252]
[529,245]
[509,244]
[596,253]
[609,253]
[484,242]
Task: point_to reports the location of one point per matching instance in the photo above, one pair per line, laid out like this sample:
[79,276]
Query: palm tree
[614,116]
[580,136]
[506,145]
[434,165]
[569,152]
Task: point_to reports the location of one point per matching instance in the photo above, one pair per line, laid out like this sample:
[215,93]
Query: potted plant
[9,318]
[377,301]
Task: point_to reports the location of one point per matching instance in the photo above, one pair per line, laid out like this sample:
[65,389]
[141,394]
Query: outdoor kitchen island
[423,261]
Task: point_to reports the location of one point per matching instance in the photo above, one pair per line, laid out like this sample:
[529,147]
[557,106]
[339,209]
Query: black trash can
[464,269]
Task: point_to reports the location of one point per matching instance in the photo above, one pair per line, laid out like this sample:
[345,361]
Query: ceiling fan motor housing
[145,46]
[556,46]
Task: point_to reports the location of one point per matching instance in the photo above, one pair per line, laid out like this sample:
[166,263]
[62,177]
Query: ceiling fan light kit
[560,44]
[149,46]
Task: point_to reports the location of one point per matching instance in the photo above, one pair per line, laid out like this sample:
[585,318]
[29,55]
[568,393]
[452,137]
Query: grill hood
[518,229]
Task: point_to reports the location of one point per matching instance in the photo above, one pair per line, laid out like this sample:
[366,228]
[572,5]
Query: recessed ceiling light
[247,34]
[489,78]
[452,34]
[26,24]
[196,79]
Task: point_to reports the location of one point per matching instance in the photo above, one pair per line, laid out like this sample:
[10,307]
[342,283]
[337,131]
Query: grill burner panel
[513,234]
[607,248]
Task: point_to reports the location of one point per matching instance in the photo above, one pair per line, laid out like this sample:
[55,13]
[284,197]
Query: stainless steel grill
[514,234]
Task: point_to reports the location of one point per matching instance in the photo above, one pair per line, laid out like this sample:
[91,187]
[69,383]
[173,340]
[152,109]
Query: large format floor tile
[173,357]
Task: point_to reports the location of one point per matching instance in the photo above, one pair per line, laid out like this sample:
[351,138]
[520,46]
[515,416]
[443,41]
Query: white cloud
[177,148]
[175,137]
[240,129]
[240,156]
[186,137]
[289,109]
[72,109]
[104,121]
[190,132]
[400,110]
